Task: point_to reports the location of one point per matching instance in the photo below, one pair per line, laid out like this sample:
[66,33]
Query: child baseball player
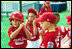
[34,28]
[46,7]
[66,41]
[53,35]
[48,20]
[18,33]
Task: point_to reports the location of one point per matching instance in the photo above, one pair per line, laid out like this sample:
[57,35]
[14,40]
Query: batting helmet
[18,16]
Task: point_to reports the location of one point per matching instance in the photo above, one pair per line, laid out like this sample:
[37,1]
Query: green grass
[5,24]
[63,20]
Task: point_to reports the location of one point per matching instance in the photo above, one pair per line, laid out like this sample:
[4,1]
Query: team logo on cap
[47,19]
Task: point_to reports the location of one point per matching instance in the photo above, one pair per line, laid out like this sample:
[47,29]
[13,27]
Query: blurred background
[7,7]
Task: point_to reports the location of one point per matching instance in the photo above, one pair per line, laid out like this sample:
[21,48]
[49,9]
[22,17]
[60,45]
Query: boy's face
[47,4]
[45,25]
[31,16]
[15,22]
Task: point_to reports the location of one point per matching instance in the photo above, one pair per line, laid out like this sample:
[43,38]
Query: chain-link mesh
[14,6]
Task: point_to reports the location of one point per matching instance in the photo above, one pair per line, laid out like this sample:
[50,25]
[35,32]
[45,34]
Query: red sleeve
[42,10]
[10,31]
[47,41]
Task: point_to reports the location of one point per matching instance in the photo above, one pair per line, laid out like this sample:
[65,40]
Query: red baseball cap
[47,16]
[31,9]
[68,17]
[18,16]
[47,1]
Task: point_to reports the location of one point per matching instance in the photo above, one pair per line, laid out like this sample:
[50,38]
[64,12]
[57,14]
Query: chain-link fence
[14,6]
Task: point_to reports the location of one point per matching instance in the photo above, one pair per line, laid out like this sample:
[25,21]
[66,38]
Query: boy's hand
[21,25]
[27,20]
[34,22]
[24,26]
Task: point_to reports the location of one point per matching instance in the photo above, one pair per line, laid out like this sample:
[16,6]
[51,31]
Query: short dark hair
[57,15]
[33,12]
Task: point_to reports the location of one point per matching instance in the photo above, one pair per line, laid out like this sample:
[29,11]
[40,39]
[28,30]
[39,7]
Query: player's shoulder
[42,7]
[62,28]
[11,27]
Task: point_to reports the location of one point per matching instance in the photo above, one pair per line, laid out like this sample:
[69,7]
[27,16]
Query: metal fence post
[20,2]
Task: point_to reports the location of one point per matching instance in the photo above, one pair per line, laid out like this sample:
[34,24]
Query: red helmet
[18,16]
[47,16]
[47,1]
[37,13]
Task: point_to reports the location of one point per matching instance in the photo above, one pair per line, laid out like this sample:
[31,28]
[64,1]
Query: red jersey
[30,28]
[20,40]
[45,9]
[63,31]
[51,40]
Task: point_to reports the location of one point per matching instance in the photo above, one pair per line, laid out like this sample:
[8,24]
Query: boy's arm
[26,21]
[34,28]
[41,34]
[28,34]
[16,32]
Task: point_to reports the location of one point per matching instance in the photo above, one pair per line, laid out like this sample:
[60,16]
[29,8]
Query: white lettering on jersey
[19,41]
